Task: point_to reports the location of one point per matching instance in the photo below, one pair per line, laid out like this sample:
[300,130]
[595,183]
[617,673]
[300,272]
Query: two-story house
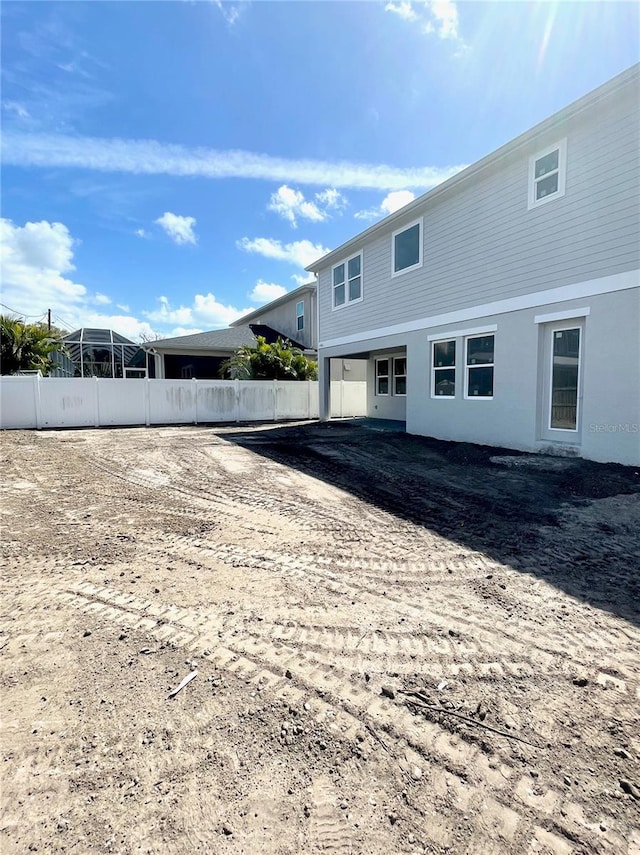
[503,306]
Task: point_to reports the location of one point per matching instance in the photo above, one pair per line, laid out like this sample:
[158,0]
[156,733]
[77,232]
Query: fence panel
[256,400]
[122,403]
[217,400]
[170,401]
[293,399]
[18,402]
[68,402]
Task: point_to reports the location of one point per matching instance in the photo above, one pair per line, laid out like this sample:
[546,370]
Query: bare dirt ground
[401,645]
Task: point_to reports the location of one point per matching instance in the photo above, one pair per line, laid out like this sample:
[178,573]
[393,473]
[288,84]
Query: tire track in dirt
[352,707]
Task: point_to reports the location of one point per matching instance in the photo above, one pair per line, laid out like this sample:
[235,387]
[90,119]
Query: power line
[22,314]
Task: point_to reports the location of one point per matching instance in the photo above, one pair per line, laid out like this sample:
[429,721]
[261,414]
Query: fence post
[274,390]
[237,391]
[147,403]
[38,400]
[96,403]
[342,399]
[195,382]
[310,387]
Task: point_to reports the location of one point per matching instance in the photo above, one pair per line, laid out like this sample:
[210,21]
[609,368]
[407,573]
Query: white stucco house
[503,306]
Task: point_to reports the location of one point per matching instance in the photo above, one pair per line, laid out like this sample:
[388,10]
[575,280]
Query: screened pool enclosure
[104,353]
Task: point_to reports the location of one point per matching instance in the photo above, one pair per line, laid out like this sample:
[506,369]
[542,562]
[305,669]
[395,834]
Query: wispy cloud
[403,10]
[439,17]
[231,11]
[180,229]
[300,253]
[391,203]
[264,292]
[291,204]
[148,157]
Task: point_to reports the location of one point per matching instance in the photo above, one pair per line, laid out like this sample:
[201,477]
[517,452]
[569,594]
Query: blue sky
[168,166]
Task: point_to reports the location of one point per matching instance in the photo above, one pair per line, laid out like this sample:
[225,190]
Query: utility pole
[49,319]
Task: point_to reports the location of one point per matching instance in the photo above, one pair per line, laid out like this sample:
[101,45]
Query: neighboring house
[292,316]
[503,307]
[199,355]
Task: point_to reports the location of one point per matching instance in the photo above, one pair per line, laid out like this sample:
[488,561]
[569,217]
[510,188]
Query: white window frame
[347,301]
[388,376]
[300,314]
[394,272]
[467,367]
[435,368]
[553,330]
[397,376]
[561,148]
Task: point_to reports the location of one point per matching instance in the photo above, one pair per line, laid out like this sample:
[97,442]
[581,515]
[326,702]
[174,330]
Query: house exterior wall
[491,264]
[283,318]
[517,415]
[481,243]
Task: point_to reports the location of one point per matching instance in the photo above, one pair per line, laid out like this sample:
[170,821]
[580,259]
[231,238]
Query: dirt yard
[401,645]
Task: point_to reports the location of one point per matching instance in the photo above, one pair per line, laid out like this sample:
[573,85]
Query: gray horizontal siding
[481,243]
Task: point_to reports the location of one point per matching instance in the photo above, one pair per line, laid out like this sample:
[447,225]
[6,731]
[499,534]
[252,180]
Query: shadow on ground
[537,514]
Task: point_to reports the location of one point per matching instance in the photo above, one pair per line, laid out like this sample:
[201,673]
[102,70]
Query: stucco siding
[481,243]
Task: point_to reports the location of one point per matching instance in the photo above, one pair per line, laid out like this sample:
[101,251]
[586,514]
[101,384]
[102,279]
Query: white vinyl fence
[60,402]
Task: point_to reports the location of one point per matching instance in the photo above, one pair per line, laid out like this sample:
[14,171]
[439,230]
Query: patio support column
[324,388]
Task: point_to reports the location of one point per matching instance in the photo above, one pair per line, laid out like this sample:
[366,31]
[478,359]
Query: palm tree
[27,347]
[276,361]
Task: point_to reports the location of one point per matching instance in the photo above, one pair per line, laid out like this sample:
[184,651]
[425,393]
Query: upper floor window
[347,281]
[300,315]
[547,172]
[406,248]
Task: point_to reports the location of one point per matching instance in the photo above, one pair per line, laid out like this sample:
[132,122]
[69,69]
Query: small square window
[406,248]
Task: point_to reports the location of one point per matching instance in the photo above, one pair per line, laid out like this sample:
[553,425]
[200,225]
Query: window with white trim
[406,248]
[547,171]
[300,315]
[400,375]
[382,376]
[479,366]
[443,381]
[346,279]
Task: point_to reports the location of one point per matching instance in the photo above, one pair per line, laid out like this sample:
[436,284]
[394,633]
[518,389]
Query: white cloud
[204,312]
[265,292]
[435,16]
[179,229]
[303,279]
[403,9]
[123,307]
[391,203]
[292,205]
[301,253]
[141,233]
[102,299]
[148,157]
